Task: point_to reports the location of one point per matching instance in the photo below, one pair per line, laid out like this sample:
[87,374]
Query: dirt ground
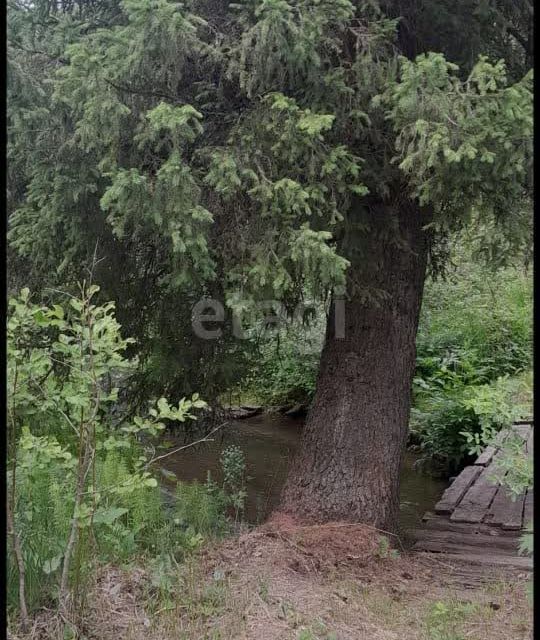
[327,582]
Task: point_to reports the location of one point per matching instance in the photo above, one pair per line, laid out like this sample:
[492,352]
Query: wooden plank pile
[477,519]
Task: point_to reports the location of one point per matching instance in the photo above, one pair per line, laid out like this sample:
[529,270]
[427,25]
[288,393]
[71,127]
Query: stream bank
[268,441]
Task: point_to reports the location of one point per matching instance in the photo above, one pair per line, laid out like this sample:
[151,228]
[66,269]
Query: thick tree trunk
[349,460]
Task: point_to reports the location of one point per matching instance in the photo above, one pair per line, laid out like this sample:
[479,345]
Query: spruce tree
[276,150]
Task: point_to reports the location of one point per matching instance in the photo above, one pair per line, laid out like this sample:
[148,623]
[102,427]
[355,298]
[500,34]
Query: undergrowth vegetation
[81,487]
[474,355]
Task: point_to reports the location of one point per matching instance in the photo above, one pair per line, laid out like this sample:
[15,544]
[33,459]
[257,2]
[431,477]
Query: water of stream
[268,442]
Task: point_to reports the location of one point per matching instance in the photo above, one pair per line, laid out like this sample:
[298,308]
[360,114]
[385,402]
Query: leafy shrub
[474,347]
[80,488]
[476,323]
[78,484]
[454,422]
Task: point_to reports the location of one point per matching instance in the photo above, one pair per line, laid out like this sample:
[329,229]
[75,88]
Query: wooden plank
[514,522]
[443,523]
[477,500]
[522,430]
[500,437]
[499,454]
[506,512]
[477,558]
[457,489]
[464,574]
[487,455]
[466,539]
[528,508]
[438,546]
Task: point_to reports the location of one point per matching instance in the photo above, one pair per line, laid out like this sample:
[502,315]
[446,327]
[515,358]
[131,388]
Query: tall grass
[42,514]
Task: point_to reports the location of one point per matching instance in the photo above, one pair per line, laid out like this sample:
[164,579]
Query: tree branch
[142,92]
[186,446]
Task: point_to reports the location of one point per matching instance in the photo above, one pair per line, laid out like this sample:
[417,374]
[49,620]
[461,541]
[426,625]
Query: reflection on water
[268,442]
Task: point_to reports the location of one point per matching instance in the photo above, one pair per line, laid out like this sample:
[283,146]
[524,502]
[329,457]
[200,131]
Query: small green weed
[233,465]
[317,631]
[384,549]
[263,588]
[445,620]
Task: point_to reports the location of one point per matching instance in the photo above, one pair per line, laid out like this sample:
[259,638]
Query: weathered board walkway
[476,520]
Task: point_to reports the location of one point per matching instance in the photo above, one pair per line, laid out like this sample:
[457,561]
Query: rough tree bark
[348,464]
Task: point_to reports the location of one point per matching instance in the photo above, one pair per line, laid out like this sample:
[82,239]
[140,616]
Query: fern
[199,509]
